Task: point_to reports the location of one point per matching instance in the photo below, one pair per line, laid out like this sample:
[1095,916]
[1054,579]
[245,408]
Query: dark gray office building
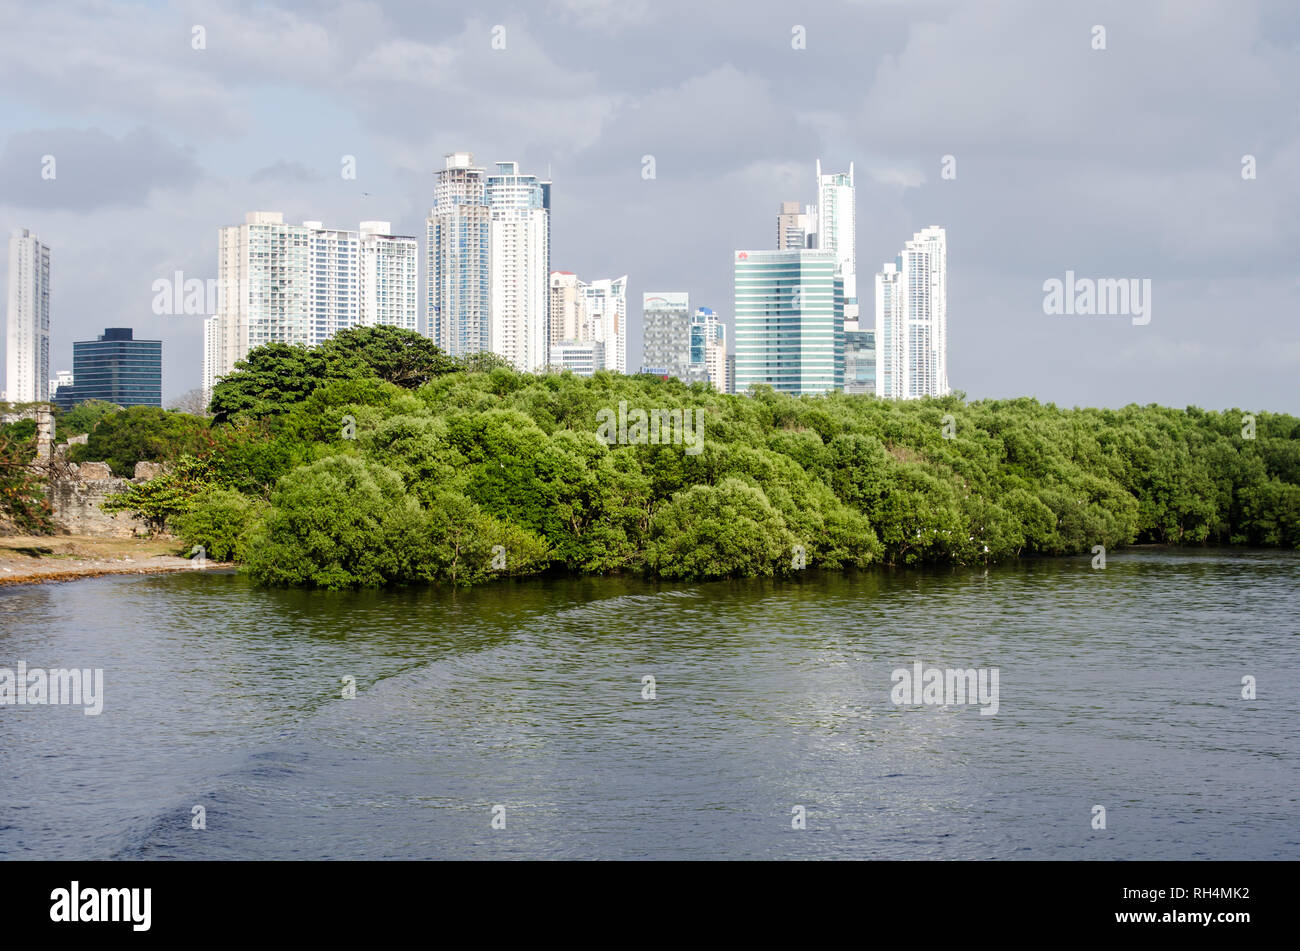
[116,368]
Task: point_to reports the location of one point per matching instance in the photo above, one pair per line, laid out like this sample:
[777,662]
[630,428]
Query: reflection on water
[1119,687]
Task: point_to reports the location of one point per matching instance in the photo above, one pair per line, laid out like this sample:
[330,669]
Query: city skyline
[919,105]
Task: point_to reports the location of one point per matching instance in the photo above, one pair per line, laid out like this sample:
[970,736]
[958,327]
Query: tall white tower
[457,268]
[837,230]
[27,323]
[912,319]
[605,310]
[519,266]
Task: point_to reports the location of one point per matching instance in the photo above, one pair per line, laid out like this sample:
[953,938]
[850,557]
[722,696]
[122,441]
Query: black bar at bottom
[922,900]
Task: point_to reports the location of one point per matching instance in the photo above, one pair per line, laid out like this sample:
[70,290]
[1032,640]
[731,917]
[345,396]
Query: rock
[94,472]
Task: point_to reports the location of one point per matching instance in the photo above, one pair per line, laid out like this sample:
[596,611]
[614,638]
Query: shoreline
[37,559]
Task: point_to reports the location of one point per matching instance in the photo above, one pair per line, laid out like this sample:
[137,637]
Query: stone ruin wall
[76,492]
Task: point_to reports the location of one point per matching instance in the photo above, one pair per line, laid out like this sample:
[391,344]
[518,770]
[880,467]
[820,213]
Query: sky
[1127,161]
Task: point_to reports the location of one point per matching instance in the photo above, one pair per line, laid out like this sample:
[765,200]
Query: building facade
[789,321]
[115,368]
[27,320]
[666,333]
[578,357]
[859,359]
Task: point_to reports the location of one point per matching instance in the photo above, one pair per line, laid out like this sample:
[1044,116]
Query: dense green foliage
[141,434]
[82,418]
[384,462]
[23,506]
[276,376]
[222,521]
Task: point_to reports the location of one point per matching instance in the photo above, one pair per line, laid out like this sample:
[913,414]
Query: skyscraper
[27,321]
[458,298]
[519,266]
[116,368]
[605,307]
[891,334]
[789,326]
[333,278]
[912,319]
[795,229]
[666,333]
[837,229]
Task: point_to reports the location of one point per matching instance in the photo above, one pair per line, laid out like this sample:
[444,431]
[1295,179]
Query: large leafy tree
[23,506]
[275,376]
[83,418]
[394,355]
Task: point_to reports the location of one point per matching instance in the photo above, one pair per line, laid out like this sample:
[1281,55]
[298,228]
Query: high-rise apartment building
[519,266]
[302,284]
[666,333]
[605,311]
[264,279]
[488,262]
[795,228]
[389,278]
[912,319]
[361,278]
[789,323]
[891,334]
[458,296]
[333,279]
[27,320]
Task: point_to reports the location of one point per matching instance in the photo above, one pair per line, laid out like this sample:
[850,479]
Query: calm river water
[1119,687]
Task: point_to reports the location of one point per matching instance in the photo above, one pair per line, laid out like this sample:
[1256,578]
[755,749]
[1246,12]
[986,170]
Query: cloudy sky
[1125,162]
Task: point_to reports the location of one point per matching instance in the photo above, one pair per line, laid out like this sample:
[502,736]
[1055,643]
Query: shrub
[722,531]
[222,521]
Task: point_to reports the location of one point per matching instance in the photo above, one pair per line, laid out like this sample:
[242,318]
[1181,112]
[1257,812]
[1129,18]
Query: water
[1119,688]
